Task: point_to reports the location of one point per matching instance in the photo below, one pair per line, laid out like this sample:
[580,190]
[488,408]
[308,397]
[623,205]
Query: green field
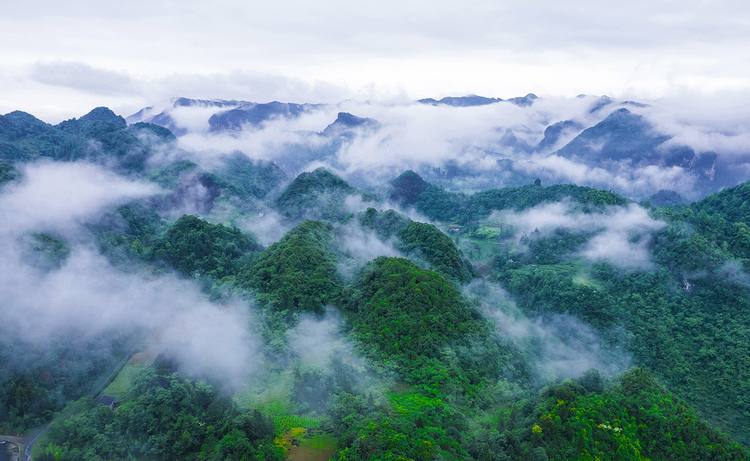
[119,387]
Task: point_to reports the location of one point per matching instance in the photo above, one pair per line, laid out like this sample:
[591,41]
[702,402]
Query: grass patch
[289,423]
[124,380]
[298,444]
[476,249]
[581,279]
[411,404]
[272,395]
[320,442]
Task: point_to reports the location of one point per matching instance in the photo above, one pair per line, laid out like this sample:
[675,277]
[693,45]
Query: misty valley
[459,279]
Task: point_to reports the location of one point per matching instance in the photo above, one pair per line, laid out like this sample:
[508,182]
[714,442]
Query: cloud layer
[559,346]
[621,235]
[87,297]
[366,51]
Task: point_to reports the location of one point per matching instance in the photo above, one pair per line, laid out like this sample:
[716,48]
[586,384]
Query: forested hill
[732,204]
[437,203]
[319,194]
[223,308]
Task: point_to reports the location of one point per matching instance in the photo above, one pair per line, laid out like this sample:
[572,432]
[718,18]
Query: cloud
[621,233]
[268,226]
[59,196]
[315,340]
[83,77]
[359,247]
[489,146]
[559,346]
[87,297]
[705,122]
[366,50]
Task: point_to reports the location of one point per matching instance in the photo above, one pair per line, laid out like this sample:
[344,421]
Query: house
[107,400]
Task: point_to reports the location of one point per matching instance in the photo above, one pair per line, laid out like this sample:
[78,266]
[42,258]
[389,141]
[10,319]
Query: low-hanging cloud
[561,346]
[59,196]
[621,234]
[316,339]
[494,145]
[87,297]
[361,246]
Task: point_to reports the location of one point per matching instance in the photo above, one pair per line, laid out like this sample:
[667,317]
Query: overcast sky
[60,59]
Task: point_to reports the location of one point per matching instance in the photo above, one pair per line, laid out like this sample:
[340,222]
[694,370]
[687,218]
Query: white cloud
[58,196]
[560,345]
[87,297]
[363,50]
[622,233]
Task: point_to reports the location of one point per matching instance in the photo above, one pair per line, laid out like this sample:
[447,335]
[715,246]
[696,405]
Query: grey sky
[62,58]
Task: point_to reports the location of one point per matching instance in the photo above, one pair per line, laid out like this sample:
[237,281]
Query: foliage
[36,381]
[633,420]
[417,319]
[684,319]
[168,419]
[247,178]
[732,204]
[47,252]
[437,249]
[441,205]
[99,136]
[297,273]
[449,384]
[422,243]
[318,195]
[194,245]
[385,223]
[7,173]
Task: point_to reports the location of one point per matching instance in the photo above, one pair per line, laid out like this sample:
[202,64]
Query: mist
[559,345]
[58,197]
[621,234]
[86,297]
[491,146]
[359,247]
[316,339]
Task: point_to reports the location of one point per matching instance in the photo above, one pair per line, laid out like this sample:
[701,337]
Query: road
[28,441]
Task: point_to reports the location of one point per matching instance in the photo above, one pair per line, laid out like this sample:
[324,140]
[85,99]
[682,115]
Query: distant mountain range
[603,143]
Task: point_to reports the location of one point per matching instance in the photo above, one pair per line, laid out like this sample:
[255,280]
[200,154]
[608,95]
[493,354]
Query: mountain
[164,116]
[298,273]
[622,135]
[474,100]
[625,137]
[346,124]
[319,193]
[255,115]
[99,115]
[556,131]
[460,101]
[377,320]
[437,203]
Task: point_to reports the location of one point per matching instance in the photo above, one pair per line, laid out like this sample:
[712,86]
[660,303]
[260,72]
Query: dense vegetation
[678,316]
[7,173]
[36,383]
[416,319]
[409,364]
[298,273]
[437,249]
[633,419]
[194,245]
[316,195]
[165,418]
[441,205]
